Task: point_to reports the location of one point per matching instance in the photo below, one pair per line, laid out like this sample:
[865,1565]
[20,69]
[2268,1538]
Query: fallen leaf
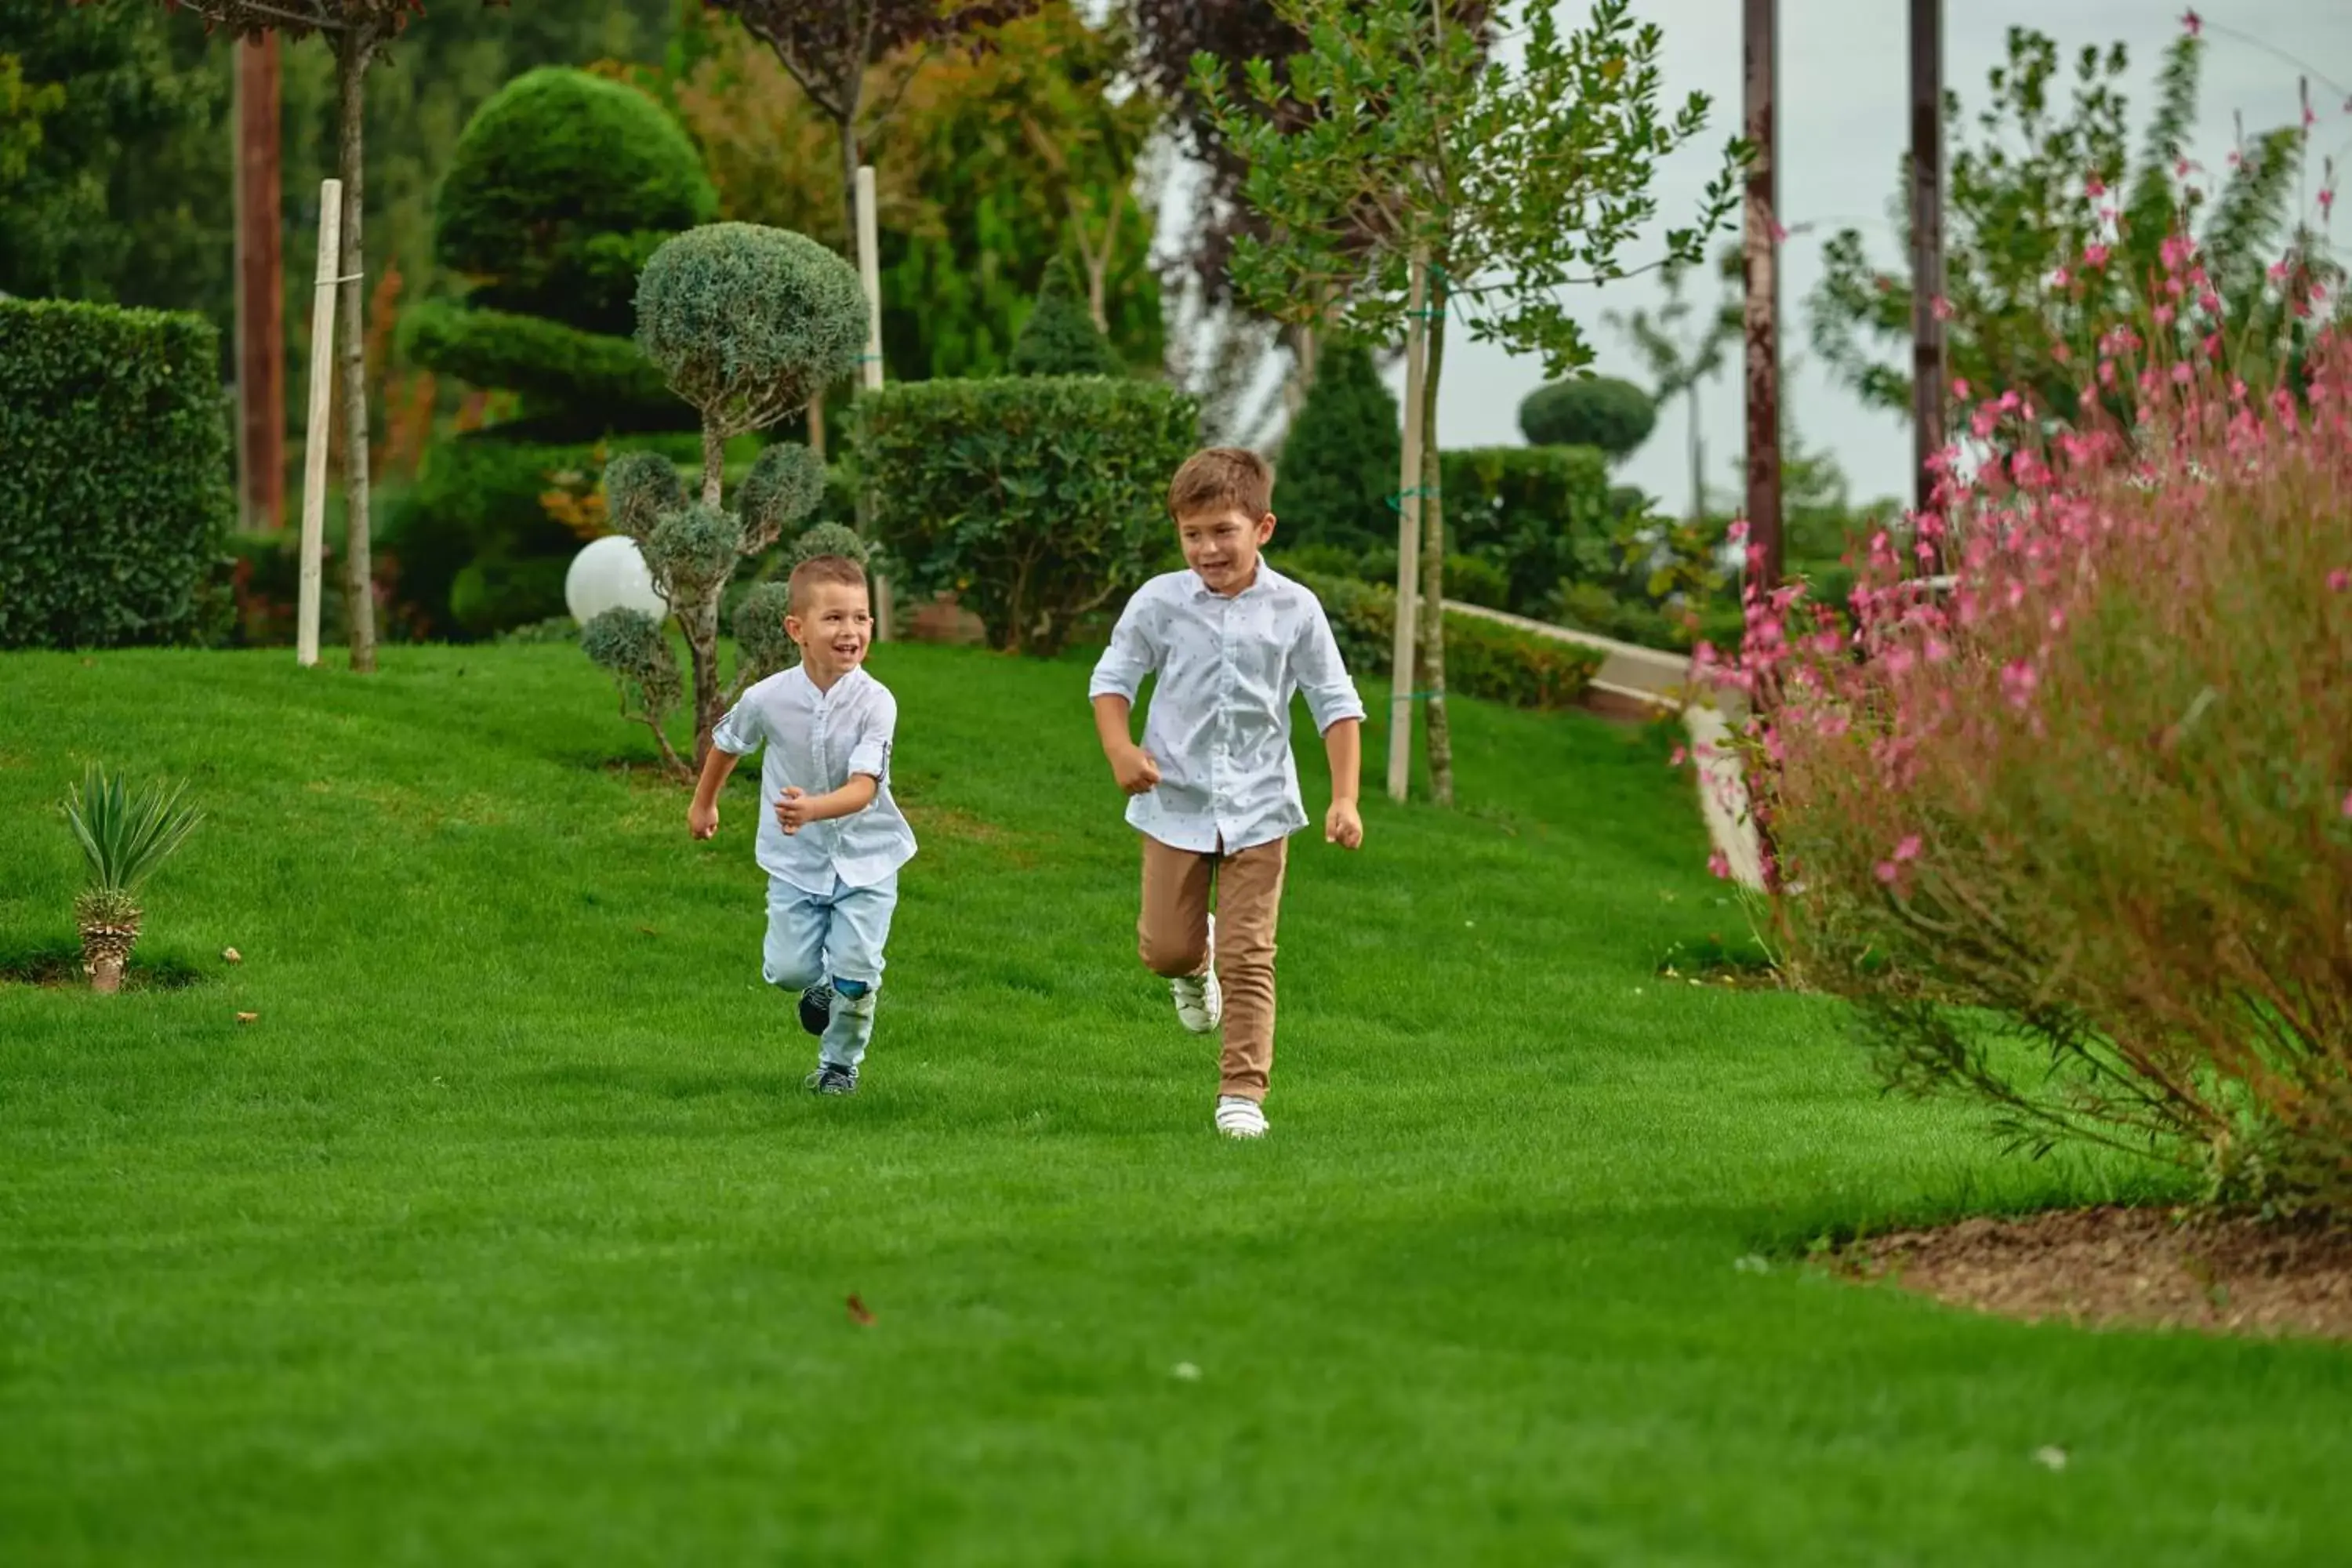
[231,955]
[2051,1458]
[248,1017]
[648,931]
[1185,1372]
[858,1314]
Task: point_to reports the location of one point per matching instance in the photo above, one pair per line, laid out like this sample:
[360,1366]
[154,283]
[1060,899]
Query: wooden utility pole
[1408,489]
[260,291]
[1761,29]
[869,271]
[1926,247]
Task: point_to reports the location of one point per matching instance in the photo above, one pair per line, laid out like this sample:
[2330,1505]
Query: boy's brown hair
[838,569]
[1221,476]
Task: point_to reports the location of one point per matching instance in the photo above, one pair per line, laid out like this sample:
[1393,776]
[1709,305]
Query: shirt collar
[1199,589]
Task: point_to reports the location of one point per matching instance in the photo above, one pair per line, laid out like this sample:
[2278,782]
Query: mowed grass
[503,1233]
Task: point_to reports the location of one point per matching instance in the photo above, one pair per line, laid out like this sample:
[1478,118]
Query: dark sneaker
[831,1079]
[817,1008]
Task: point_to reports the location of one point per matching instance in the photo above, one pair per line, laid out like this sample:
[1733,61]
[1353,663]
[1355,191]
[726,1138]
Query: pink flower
[2164,315]
[2347,803]
[1941,306]
[2018,680]
[1719,864]
[1908,849]
[2095,187]
[1960,388]
[2193,22]
[1679,758]
[1738,531]
[2182,374]
[2060,279]
[1888,871]
[2326,202]
[2278,271]
[2341,580]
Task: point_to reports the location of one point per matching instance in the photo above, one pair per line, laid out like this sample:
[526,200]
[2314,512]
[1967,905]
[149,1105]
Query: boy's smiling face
[833,627]
[1223,546]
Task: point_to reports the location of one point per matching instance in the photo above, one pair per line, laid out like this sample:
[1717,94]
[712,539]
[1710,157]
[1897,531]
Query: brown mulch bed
[2129,1267]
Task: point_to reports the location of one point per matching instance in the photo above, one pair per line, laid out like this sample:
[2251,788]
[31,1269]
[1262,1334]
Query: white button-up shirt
[1220,721]
[816,742]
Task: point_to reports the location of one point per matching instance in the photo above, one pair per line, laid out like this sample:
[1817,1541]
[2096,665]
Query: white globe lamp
[609,574]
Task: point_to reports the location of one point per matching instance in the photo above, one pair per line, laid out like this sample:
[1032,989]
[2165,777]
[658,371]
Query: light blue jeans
[835,940]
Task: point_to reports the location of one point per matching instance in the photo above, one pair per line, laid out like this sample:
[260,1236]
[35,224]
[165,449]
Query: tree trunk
[354,50]
[1433,557]
[106,975]
[1697,458]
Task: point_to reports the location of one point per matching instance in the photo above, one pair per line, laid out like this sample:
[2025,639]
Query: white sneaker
[1239,1118]
[1200,1000]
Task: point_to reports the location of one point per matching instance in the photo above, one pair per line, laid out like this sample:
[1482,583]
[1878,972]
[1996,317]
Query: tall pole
[869,269]
[316,436]
[1926,247]
[1762,27]
[260,290]
[1416,393]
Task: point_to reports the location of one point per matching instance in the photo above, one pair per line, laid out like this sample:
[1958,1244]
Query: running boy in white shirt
[832,839]
[1214,788]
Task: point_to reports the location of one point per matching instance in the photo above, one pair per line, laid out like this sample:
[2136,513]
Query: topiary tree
[1339,461]
[559,190]
[745,323]
[1060,338]
[1597,411]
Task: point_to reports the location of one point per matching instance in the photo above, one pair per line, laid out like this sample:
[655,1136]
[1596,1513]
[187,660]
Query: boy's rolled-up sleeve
[1130,656]
[870,757]
[1323,678]
[740,731]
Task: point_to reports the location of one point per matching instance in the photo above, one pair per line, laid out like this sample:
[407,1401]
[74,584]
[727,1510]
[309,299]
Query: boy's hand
[1344,825]
[1135,770]
[793,810]
[702,821]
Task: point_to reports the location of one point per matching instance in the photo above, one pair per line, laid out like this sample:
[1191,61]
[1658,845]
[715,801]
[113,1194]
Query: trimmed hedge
[560,187]
[1038,501]
[115,493]
[1589,411]
[578,384]
[1483,658]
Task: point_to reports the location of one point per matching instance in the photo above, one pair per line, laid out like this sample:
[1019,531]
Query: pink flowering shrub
[2073,827]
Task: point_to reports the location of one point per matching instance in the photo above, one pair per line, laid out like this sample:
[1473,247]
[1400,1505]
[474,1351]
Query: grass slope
[503,1237]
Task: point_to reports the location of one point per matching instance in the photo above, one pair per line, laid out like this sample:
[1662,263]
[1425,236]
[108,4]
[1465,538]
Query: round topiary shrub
[561,186]
[1599,411]
[749,322]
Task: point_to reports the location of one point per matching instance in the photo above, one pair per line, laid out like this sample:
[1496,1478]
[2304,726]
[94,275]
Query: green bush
[1339,462]
[1599,411]
[114,473]
[560,189]
[576,385]
[478,502]
[747,323]
[1038,501]
[1542,514]
[1059,338]
[1483,658]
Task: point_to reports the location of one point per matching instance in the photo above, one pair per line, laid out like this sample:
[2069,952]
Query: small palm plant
[125,838]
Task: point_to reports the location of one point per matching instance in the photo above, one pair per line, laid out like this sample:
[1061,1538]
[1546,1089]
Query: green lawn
[503,1234]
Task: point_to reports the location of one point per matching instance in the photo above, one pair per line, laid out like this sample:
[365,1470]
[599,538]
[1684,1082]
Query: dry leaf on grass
[231,955]
[248,1017]
[858,1314]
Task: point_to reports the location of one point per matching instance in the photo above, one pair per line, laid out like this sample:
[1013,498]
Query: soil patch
[2129,1267]
[58,966]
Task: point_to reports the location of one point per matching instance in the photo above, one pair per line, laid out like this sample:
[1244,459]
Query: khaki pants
[1173,938]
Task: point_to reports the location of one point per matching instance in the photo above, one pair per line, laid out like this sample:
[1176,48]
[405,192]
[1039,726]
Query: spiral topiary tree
[746,323]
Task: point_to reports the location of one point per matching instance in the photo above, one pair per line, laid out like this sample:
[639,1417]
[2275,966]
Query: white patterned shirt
[1219,724]
[817,743]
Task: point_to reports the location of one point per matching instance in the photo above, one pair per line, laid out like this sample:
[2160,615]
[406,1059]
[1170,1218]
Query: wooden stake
[1401,664]
[315,436]
[869,268]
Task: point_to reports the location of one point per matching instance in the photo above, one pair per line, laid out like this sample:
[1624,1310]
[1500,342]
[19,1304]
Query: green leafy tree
[2055,232]
[1611,417]
[1515,180]
[1339,471]
[23,106]
[1059,339]
[747,324]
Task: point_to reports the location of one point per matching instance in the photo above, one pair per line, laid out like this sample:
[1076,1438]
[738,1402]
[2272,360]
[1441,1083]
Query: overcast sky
[1843,124]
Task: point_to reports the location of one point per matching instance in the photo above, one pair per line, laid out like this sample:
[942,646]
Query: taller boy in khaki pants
[1213,789]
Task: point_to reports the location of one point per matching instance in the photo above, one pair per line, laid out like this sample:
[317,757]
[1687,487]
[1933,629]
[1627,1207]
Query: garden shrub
[2077,837]
[1484,658]
[575,386]
[1597,411]
[1038,501]
[1059,338]
[1542,514]
[560,187]
[1338,477]
[115,494]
